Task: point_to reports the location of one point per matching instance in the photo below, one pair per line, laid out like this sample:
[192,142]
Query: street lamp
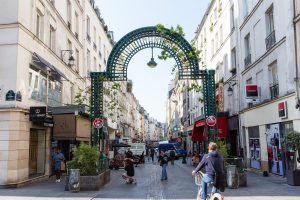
[230,89]
[152,63]
[71,58]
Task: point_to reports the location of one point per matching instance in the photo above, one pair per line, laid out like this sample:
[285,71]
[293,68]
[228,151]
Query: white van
[138,148]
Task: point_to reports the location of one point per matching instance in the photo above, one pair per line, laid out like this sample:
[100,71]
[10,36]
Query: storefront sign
[251,92]
[10,96]
[37,113]
[282,110]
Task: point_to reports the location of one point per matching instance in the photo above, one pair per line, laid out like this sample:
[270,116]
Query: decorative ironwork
[274,91]
[136,41]
[270,40]
[247,60]
[150,37]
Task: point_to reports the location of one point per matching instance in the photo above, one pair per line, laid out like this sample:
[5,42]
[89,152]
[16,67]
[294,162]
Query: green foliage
[291,140]
[222,149]
[85,158]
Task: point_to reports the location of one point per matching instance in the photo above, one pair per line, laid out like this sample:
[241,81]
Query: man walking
[172,156]
[152,152]
[58,159]
[163,161]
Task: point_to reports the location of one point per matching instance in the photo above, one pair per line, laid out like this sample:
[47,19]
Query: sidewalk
[180,185]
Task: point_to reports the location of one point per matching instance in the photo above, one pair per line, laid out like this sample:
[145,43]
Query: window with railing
[270,39]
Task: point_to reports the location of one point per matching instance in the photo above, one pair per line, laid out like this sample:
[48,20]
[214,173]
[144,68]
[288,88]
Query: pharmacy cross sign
[98,123]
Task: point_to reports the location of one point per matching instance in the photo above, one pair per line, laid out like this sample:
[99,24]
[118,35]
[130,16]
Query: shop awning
[198,131]
[45,65]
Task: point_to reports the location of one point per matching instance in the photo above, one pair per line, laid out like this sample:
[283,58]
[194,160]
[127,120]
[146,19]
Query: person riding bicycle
[213,163]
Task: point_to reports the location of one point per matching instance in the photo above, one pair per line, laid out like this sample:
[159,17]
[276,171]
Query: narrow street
[180,185]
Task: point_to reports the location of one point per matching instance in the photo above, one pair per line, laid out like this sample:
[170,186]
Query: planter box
[293,177]
[89,183]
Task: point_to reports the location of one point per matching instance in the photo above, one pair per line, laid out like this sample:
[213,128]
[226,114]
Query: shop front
[198,136]
[233,136]
[70,128]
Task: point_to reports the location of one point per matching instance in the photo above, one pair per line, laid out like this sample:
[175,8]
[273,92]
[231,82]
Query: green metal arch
[150,37]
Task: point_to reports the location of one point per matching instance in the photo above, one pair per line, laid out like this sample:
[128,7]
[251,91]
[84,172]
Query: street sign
[98,123]
[211,121]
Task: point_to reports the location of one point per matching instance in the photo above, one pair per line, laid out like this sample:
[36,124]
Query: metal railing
[270,40]
[247,60]
[274,91]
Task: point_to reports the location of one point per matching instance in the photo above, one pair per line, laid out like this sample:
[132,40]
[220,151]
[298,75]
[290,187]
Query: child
[129,168]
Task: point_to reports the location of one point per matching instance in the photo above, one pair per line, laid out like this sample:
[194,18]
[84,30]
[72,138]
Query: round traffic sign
[211,121]
[98,123]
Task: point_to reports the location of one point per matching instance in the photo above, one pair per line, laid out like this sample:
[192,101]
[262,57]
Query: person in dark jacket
[172,156]
[213,163]
[163,161]
[129,168]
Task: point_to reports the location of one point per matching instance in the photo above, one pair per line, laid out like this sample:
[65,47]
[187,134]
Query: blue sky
[150,86]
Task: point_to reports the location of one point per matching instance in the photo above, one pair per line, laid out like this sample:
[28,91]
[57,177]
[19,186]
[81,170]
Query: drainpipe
[296,56]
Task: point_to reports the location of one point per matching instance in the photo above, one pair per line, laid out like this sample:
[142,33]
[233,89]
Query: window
[221,35]
[217,41]
[88,60]
[270,40]
[273,80]
[88,28]
[95,64]
[38,87]
[94,34]
[69,48]
[245,4]
[247,59]
[249,81]
[37,152]
[212,47]
[39,25]
[232,17]
[52,38]
[216,14]
[76,25]
[77,60]
[69,14]
[95,41]
[233,58]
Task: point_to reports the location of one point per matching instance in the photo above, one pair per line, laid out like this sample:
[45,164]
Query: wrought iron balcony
[247,60]
[274,91]
[270,40]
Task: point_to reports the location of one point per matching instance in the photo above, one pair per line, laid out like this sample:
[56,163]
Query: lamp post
[71,58]
[152,63]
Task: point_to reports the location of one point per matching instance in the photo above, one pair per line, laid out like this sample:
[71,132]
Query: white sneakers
[57,180]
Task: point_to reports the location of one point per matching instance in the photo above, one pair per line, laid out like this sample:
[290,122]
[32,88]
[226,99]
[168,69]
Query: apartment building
[267,70]
[46,56]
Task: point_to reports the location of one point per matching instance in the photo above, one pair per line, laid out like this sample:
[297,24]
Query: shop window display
[254,147]
[274,149]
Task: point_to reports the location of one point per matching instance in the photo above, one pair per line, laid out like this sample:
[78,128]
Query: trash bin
[74,183]
[232,176]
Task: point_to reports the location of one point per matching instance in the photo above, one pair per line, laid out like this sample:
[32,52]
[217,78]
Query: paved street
[180,185]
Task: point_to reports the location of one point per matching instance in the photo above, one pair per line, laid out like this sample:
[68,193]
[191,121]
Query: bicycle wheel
[216,196]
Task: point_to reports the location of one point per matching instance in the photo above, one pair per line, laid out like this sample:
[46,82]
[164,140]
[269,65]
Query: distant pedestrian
[152,152]
[172,156]
[148,154]
[163,161]
[58,160]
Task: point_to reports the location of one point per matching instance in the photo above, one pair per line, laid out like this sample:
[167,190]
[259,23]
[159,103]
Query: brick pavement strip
[180,185]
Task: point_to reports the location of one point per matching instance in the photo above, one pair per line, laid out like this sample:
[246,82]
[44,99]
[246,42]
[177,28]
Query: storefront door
[37,151]
[254,147]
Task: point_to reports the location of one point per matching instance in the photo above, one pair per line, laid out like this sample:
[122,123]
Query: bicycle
[211,196]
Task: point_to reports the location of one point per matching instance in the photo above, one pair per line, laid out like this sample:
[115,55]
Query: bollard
[74,183]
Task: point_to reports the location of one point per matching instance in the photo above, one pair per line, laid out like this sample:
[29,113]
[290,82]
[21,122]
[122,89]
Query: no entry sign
[211,121]
[98,123]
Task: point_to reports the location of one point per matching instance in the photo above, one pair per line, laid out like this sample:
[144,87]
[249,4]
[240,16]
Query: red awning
[198,131]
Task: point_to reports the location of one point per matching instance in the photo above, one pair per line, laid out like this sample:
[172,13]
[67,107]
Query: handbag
[219,179]
[62,166]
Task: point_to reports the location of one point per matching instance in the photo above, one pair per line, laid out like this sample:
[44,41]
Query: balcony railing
[95,46]
[76,35]
[274,91]
[270,40]
[247,60]
[100,55]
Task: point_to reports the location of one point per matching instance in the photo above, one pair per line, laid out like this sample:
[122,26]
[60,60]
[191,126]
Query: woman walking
[163,161]
[58,158]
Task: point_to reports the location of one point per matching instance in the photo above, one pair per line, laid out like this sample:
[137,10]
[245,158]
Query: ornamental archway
[151,37]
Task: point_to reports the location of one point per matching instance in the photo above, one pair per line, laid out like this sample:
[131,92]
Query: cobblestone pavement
[180,185]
